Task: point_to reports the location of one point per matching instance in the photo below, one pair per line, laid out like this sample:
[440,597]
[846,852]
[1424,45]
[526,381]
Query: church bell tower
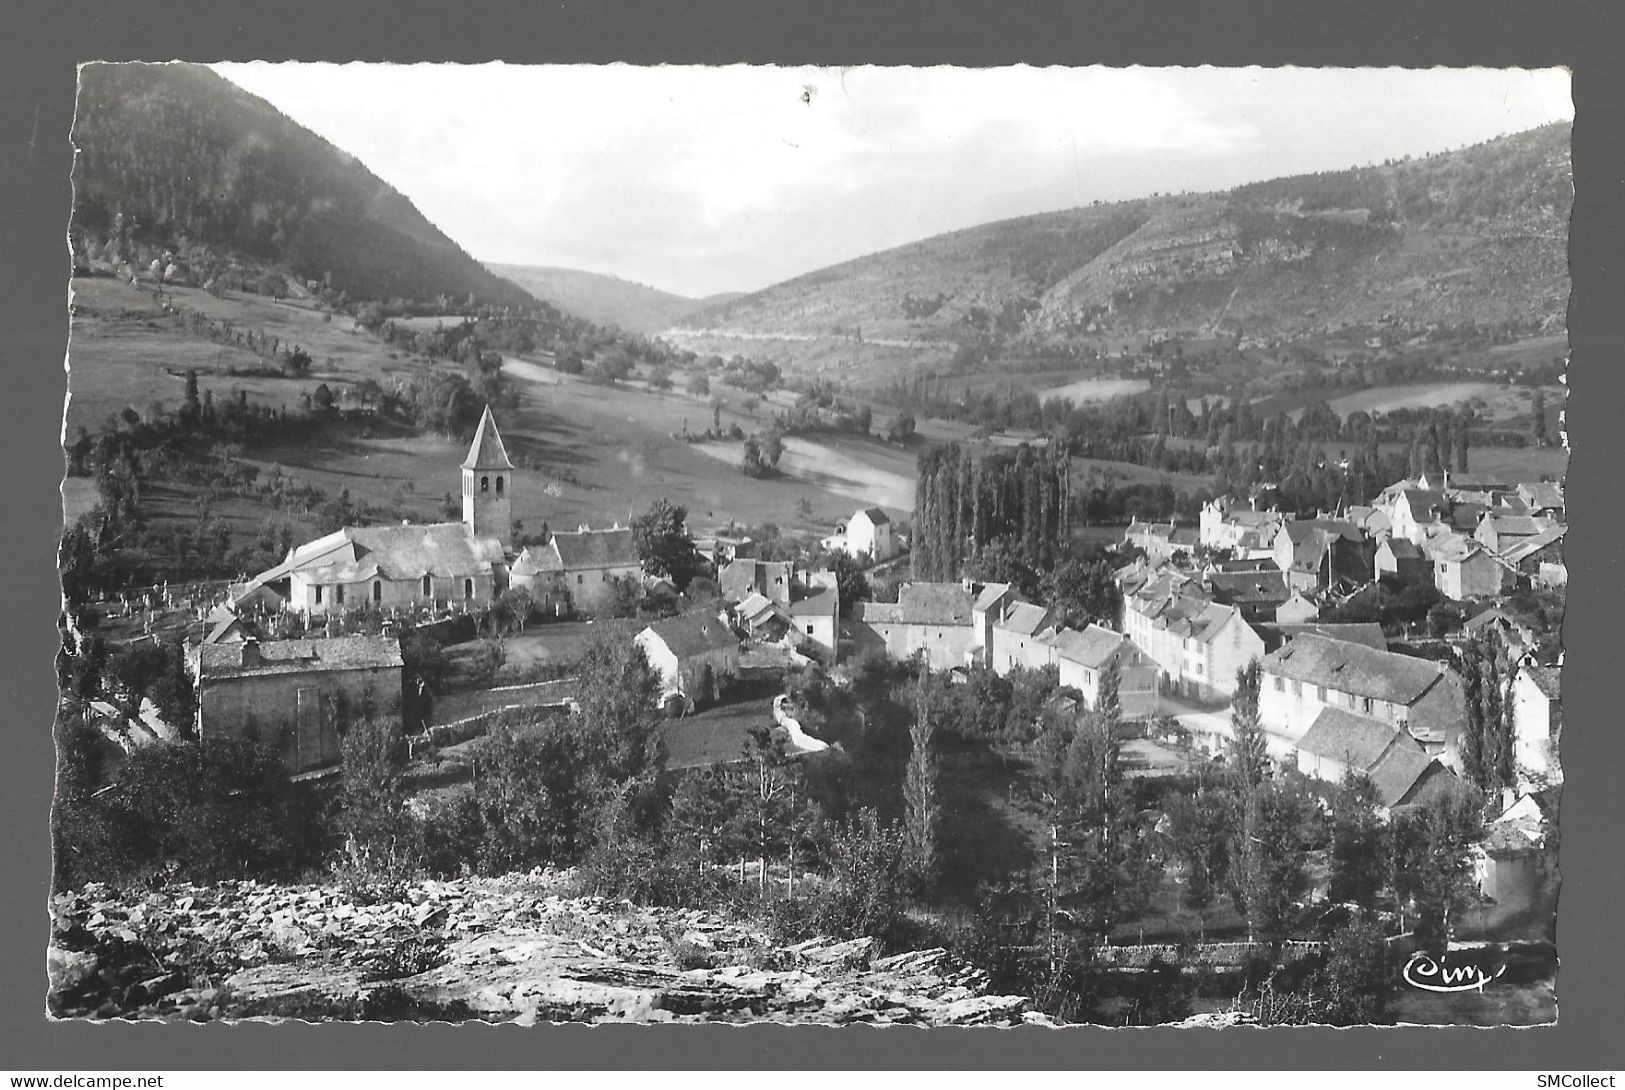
[488,484]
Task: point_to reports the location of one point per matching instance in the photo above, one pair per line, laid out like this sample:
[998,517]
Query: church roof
[442,549]
[222,660]
[487,451]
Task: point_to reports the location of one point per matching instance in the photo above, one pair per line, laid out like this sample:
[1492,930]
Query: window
[809,630]
[428,586]
[338,595]
[580,579]
[1279,685]
[1365,704]
[468,588]
[605,578]
[1198,669]
[377,591]
[1297,688]
[499,486]
[318,594]
[485,484]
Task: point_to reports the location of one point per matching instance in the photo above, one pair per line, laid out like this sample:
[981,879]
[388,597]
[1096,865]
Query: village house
[1317,553]
[993,603]
[1082,657]
[1297,609]
[1544,498]
[1413,510]
[1339,742]
[773,579]
[581,572]
[867,536]
[933,619]
[295,696]
[1223,524]
[1197,645]
[1311,673]
[1368,633]
[1481,488]
[695,655]
[1017,638]
[1536,694]
[1500,533]
[760,618]
[1463,569]
[1401,560]
[1536,558]
[1258,594]
[816,618]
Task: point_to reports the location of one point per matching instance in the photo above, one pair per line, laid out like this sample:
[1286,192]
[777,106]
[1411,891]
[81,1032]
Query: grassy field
[1095,389]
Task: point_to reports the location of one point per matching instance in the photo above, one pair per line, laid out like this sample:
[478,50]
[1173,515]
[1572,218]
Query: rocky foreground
[517,949]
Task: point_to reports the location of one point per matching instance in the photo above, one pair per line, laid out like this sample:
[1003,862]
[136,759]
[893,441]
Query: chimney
[251,652]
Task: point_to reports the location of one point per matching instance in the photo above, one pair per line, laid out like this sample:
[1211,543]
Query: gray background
[39,44]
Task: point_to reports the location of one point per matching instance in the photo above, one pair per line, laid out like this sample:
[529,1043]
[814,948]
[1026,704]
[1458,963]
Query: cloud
[707,179]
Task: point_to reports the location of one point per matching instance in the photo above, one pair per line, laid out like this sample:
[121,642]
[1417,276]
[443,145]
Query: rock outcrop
[518,949]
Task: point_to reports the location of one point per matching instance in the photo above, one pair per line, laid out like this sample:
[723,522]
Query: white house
[695,655]
[867,536]
[1537,720]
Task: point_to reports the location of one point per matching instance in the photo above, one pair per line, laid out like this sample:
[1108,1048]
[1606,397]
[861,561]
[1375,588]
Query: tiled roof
[223,660]
[1093,646]
[1542,493]
[442,549]
[1355,740]
[1354,668]
[1401,548]
[1185,615]
[1424,500]
[1025,619]
[487,451]
[934,603]
[693,634]
[875,515]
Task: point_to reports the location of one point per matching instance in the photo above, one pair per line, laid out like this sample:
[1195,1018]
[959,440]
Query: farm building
[581,572]
[1463,568]
[293,695]
[1401,560]
[1018,639]
[933,619]
[695,656]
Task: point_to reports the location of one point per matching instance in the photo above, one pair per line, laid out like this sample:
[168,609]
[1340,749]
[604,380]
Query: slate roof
[875,515]
[487,451]
[1401,548]
[1477,482]
[1354,668]
[1245,588]
[1136,528]
[1542,493]
[1423,500]
[443,549]
[989,596]
[1185,536]
[1518,525]
[596,549]
[1401,772]
[1548,679]
[1355,740]
[1368,634]
[225,660]
[919,603]
[1025,619]
[693,634]
[1093,646]
[817,603]
[1529,546]
[754,608]
[1185,615]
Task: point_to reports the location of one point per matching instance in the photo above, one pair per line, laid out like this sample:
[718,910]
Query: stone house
[933,619]
[816,619]
[1311,673]
[773,579]
[581,572]
[294,696]
[867,535]
[1083,656]
[1258,594]
[1501,532]
[1197,645]
[1018,638]
[695,655]
[1316,553]
[1537,719]
[1339,742]
[1401,560]
[1463,569]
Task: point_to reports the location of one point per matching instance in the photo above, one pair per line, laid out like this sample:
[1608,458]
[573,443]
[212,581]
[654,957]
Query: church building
[450,565]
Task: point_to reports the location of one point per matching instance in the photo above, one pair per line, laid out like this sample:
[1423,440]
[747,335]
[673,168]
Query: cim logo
[1431,975]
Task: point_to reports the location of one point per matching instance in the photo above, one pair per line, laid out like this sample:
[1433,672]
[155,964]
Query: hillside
[206,169]
[605,300]
[1476,235]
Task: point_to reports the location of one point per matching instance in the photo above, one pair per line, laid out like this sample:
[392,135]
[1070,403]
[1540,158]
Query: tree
[1537,414]
[751,463]
[851,585]
[1358,843]
[1431,867]
[664,544]
[901,428]
[921,809]
[699,384]
[1267,870]
[1082,591]
[1199,835]
[1249,750]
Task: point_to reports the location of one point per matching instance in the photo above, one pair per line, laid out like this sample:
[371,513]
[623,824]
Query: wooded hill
[605,300]
[1478,235]
[195,161]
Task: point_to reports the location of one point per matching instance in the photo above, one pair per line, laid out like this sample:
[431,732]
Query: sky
[703,180]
